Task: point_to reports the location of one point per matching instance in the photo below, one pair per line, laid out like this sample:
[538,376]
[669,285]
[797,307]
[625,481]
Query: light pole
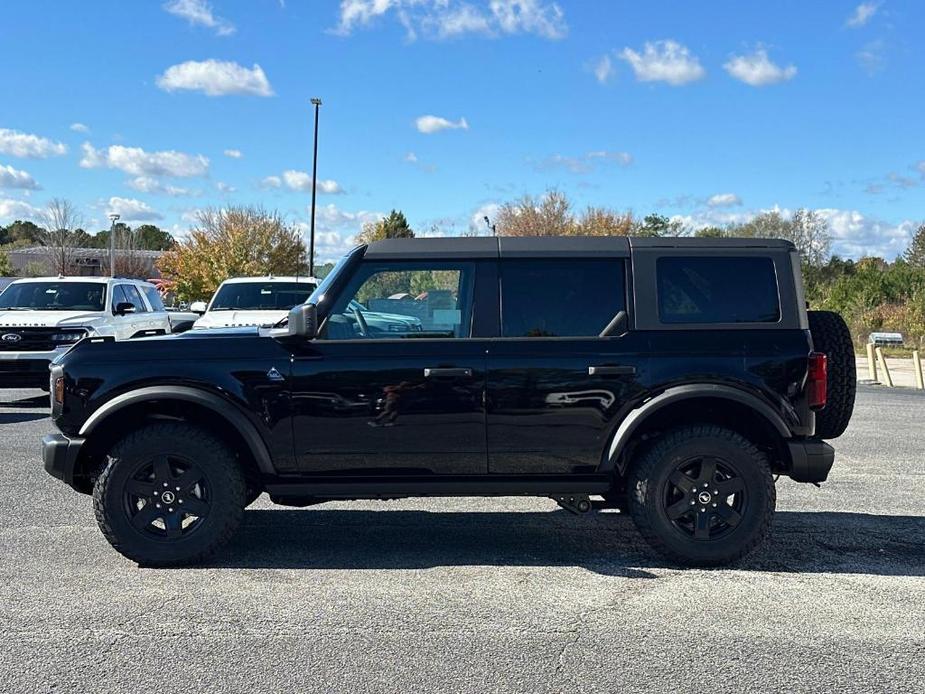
[112,245]
[316,102]
[491,227]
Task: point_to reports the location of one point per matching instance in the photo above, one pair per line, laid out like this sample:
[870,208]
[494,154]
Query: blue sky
[708,111]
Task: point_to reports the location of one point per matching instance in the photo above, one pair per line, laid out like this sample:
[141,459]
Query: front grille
[31,339]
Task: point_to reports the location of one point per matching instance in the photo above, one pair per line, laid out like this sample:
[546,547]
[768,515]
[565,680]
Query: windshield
[318,295]
[54,296]
[261,296]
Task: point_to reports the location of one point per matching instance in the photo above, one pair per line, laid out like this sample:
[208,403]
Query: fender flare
[636,417]
[220,406]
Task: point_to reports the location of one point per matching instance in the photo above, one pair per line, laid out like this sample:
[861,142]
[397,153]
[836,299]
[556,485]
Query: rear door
[555,387]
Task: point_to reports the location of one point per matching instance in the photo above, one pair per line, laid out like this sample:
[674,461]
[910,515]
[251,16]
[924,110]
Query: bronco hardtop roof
[551,246]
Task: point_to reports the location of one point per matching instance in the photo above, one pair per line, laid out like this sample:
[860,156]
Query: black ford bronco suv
[674,378]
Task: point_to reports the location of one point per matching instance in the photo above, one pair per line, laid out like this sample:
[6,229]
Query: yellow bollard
[886,370]
[917,367]
[871,363]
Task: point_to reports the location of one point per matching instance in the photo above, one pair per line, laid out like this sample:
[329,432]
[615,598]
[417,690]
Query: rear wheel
[170,494]
[702,496]
[832,336]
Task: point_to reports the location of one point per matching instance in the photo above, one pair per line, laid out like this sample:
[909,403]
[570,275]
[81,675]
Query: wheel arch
[129,410]
[708,404]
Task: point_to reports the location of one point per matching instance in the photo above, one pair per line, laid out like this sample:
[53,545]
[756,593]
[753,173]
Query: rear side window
[118,297]
[560,298]
[717,290]
[153,297]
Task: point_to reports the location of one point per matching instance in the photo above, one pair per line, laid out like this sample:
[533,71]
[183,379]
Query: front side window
[560,298]
[54,296]
[717,290]
[261,296]
[404,301]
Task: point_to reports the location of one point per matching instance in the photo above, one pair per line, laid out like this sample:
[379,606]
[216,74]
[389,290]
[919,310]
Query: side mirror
[124,307]
[303,321]
[198,307]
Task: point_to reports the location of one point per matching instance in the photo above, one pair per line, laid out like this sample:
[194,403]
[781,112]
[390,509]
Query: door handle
[447,373]
[611,370]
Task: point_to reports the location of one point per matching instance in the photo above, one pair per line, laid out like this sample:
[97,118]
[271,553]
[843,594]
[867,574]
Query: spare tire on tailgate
[831,336]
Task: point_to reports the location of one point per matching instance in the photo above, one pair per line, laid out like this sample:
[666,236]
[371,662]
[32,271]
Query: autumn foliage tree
[552,215]
[233,242]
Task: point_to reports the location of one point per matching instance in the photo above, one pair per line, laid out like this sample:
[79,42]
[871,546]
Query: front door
[555,385]
[394,384]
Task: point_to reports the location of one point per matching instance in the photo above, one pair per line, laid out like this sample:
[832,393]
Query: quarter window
[717,290]
[560,298]
[404,301]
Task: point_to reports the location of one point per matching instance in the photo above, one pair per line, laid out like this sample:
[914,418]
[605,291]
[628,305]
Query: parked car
[262,301]
[672,378]
[42,317]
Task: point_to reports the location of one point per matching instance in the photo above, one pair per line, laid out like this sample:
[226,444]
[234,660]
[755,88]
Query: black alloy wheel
[704,498]
[168,498]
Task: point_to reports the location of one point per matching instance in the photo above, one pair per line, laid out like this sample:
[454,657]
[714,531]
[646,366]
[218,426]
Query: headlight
[65,338]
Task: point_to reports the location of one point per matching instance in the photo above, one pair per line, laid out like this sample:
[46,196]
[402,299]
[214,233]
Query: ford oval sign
[11,337]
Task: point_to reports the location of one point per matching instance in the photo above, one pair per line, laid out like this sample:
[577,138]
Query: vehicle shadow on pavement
[814,542]
[17,417]
[37,401]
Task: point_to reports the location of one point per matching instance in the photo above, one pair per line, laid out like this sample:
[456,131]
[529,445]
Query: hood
[225,319]
[48,319]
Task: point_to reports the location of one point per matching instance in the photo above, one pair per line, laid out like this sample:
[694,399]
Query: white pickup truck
[260,301]
[42,317]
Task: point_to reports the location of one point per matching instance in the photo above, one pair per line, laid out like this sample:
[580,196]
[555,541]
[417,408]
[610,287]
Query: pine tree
[915,254]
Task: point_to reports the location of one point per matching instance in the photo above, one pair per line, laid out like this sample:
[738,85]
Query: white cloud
[137,162]
[411,158]
[920,167]
[757,69]
[854,234]
[477,223]
[664,61]
[862,14]
[148,184]
[215,78]
[80,128]
[434,124]
[11,210]
[872,57]
[20,144]
[724,200]
[132,210]
[442,19]
[302,181]
[336,230]
[585,163]
[233,153]
[16,178]
[225,187]
[199,12]
[603,69]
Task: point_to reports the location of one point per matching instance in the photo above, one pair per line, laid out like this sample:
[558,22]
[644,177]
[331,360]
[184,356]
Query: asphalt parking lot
[475,595]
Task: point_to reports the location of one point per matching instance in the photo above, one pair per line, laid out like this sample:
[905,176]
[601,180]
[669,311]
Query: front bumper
[811,460]
[59,454]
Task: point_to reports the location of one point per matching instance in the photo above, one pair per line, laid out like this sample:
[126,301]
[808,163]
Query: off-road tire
[831,336]
[648,483]
[220,472]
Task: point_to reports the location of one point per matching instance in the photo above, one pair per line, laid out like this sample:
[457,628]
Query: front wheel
[702,496]
[170,494]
